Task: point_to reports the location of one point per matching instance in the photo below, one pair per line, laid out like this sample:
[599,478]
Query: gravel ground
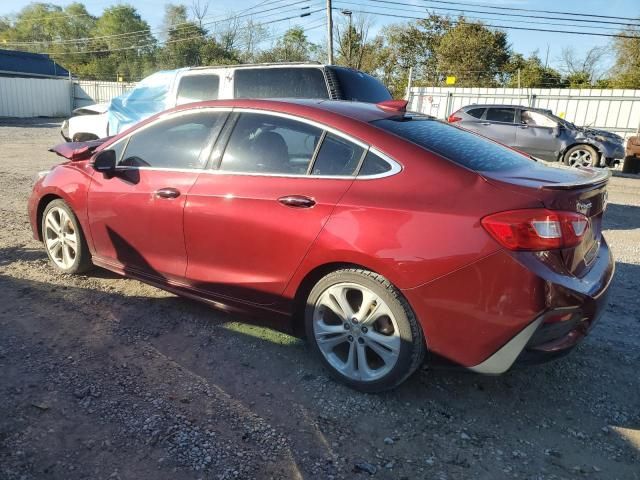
[105,377]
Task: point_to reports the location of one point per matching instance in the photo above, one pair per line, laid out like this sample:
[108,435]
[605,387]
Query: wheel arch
[307,283]
[587,144]
[42,204]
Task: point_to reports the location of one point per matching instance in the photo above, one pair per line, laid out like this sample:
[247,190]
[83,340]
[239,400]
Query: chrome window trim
[163,117]
[395,166]
[304,120]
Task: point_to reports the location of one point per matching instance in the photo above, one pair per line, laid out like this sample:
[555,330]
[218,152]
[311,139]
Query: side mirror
[105,163]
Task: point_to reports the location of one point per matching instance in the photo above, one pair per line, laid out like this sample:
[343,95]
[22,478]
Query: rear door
[472,119]
[499,124]
[250,221]
[536,135]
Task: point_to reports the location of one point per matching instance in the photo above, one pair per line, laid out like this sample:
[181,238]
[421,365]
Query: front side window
[504,115]
[271,145]
[279,83]
[196,88]
[171,143]
[337,157]
[536,119]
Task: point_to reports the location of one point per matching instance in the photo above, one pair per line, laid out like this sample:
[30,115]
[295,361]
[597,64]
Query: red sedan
[381,234]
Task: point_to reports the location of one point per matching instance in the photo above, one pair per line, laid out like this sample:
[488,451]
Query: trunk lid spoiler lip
[600,178]
[76,151]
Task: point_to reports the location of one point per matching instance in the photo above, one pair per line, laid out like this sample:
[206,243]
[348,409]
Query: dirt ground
[104,377]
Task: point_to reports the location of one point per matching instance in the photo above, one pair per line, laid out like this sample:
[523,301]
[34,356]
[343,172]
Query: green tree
[625,72]
[531,73]
[472,53]
[127,45]
[184,39]
[293,46]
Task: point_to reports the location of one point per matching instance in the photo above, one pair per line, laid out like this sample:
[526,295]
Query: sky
[524,42]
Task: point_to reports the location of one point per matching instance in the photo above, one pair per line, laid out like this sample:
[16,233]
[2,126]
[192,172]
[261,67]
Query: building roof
[25,64]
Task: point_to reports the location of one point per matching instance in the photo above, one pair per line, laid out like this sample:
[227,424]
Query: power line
[420,10]
[480,5]
[582,20]
[151,44]
[507,27]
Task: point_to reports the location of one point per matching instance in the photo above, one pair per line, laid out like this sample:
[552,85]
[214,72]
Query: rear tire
[363,330]
[581,156]
[64,240]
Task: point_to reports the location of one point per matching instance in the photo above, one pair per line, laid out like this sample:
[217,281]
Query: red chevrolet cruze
[382,234]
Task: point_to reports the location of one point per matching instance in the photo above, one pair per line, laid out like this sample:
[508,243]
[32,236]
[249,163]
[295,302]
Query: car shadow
[577,406]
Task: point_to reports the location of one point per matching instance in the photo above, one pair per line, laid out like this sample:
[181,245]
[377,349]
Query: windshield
[458,145]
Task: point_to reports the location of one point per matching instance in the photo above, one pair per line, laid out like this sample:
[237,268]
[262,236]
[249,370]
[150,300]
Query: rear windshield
[456,144]
[360,87]
[280,83]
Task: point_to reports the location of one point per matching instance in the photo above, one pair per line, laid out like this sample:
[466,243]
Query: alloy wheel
[580,158]
[61,238]
[356,332]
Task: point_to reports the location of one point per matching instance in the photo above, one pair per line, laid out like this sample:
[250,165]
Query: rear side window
[279,83]
[465,148]
[505,115]
[360,87]
[337,156]
[476,112]
[373,165]
[195,88]
[172,143]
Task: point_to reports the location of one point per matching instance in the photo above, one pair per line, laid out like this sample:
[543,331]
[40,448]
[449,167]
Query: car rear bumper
[537,314]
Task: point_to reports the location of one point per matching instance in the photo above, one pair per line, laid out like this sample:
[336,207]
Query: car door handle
[485,123]
[297,201]
[523,126]
[168,192]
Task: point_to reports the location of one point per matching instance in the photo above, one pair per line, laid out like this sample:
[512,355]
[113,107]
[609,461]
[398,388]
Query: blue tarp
[149,97]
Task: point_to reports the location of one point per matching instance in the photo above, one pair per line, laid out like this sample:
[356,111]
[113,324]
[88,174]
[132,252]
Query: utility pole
[348,13]
[329,34]
[518,78]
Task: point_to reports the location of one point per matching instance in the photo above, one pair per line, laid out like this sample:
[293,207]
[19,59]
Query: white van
[281,80]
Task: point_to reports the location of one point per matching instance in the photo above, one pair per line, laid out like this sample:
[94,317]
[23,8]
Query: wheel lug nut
[360,341]
[350,338]
[364,329]
[347,326]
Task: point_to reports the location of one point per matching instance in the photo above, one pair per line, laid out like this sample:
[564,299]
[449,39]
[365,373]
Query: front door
[136,217]
[499,125]
[536,135]
[249,223]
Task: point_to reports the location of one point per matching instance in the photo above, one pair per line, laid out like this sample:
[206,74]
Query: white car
[167,89]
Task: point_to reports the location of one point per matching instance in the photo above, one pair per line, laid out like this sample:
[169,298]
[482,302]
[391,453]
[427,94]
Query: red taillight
[536,229]
[453,118]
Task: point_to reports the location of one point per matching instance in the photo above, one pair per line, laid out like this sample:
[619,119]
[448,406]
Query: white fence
[613,110]
[86,92]
[31,97]
[47,97]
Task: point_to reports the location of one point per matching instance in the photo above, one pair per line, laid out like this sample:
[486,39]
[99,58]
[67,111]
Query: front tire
[64,240]
[363,330]
[581,156]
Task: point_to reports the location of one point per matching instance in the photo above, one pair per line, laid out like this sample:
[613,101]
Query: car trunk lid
[76,151]
[573,190]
